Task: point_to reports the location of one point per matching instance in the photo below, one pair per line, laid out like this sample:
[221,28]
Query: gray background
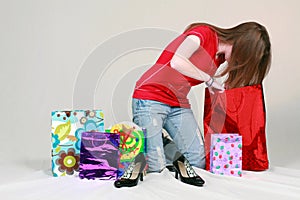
[44,46]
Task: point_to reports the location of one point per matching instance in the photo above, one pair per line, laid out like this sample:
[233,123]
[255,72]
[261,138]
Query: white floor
[33,180]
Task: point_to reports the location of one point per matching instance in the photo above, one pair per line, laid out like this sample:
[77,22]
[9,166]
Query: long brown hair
[251,53]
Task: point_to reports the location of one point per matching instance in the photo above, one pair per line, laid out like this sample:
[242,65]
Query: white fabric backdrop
[44,46]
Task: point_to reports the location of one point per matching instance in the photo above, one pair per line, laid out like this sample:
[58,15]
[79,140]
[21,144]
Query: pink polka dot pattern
[226,154]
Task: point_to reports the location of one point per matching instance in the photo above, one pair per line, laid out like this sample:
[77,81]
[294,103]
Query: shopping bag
[239,110]
[226,154]
[99,156]
[132,142]
[66,130]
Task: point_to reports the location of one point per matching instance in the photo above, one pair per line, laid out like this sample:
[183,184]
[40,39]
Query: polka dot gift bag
[226,154]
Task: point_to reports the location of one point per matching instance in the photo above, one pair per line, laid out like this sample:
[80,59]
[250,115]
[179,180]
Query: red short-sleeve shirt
[164,84]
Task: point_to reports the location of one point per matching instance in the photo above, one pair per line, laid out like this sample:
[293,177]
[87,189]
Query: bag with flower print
[66,130]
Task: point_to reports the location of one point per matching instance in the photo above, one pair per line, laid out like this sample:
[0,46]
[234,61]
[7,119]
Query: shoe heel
[141,177]
[176,174]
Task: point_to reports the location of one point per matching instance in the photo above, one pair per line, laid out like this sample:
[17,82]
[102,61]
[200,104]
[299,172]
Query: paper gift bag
[226,154]
[99,156]
[132,142]
[67,127]
[242,111]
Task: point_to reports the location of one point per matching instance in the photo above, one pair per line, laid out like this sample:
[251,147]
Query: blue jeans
[180,124]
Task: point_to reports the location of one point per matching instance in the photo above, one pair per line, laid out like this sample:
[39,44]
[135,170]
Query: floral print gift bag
[66,130]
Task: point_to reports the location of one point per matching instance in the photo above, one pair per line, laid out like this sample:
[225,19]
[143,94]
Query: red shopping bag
[239,110]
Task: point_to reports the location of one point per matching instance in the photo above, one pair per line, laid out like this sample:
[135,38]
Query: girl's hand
[214,86]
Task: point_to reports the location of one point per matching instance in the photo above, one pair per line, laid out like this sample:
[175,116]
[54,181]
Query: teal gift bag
[66,130]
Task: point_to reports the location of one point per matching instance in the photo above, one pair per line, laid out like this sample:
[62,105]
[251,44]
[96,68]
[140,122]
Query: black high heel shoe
[133,173]
[186,172]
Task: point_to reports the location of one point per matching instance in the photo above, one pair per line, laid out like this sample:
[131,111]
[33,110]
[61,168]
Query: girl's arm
[182,64]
